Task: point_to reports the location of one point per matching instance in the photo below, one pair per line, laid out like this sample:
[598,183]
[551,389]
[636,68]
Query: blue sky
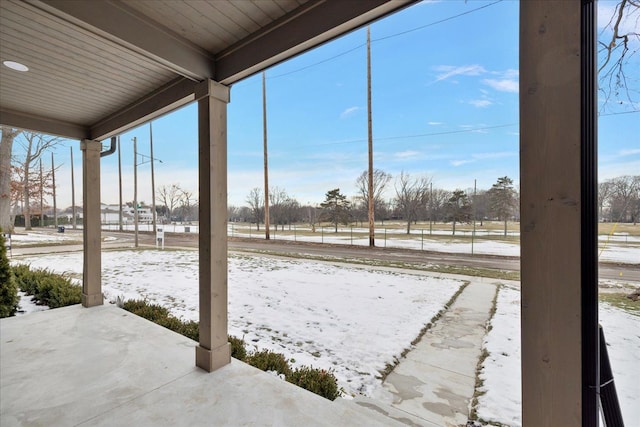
[445,106]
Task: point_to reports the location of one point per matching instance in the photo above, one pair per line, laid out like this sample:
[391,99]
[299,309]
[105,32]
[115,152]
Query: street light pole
[153,182]
[135,189]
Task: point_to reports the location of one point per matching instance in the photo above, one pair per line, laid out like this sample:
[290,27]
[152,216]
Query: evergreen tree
[335,208]
[502,199]
[458,208]
[8,288]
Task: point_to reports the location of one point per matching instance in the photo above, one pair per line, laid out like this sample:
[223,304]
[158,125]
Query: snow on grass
[41,237]
[500,373]
[501,369]
[349,319]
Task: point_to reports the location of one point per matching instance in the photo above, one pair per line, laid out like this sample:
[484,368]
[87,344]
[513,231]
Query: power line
[388,138]
[621,112]
[436,22]
[331,58]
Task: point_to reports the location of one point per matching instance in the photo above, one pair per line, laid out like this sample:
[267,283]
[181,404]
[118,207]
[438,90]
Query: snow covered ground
[349,319]
[619,248]
[501,402]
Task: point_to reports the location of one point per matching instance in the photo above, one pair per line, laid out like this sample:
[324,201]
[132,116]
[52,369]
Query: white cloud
[435,123]
[483,156]
[448,71]
[406,154]
[503,85]
[457,163]
[349,112]
[630,152]
[480,103]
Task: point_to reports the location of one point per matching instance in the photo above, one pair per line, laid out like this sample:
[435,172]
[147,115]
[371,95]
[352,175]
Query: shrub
[318,381]
[48,288]
[190,329]
[154,312]
[238,350]
[8,288]
[269,361]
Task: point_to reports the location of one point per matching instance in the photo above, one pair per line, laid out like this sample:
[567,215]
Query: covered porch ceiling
[98,68]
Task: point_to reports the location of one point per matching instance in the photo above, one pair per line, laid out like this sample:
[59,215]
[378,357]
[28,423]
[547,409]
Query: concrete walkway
[436,380]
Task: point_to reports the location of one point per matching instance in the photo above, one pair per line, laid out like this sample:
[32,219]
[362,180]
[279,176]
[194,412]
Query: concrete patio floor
[105,366]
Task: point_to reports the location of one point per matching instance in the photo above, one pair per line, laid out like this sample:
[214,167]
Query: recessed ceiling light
[15,66]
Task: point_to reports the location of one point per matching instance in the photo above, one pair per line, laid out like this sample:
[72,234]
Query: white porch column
[558,225]
[214,350]
[92,264]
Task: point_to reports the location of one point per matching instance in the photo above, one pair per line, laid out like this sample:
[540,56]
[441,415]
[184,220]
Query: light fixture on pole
[144,159]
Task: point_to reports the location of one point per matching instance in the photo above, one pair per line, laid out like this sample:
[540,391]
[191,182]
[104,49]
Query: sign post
[160,237]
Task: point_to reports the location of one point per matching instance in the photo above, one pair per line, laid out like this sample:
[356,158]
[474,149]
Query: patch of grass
[620,300]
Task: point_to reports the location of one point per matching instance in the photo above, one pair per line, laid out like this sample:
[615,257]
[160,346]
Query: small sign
[160,237]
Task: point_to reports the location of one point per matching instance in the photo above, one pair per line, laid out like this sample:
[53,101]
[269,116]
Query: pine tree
[8,288]
[502,199]
[335,208]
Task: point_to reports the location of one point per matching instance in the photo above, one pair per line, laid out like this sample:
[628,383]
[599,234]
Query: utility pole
[73,193]
[135,190]
[473,234]
[41,196]
[55,206]
[153,182]
[266,162]
[120,184]
[372,241]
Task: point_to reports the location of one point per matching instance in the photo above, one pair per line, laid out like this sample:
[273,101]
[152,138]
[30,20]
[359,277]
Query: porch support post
[92,264]
[213,350]
[558,206]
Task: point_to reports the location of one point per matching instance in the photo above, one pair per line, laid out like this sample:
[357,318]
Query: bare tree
[34,145]
[186,203]
[621,41]
[256,206]
[6,146]
[170,197]
[380,181]
[411,195]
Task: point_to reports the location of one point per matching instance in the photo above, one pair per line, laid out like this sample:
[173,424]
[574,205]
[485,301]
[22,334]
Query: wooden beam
[304,28]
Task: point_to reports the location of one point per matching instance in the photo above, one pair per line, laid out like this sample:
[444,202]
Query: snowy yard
[501,369]
[349,319]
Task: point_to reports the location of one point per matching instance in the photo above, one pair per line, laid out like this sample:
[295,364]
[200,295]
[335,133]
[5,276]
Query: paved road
[613,271]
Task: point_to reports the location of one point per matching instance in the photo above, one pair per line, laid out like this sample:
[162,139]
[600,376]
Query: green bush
[238,350]
[190,329]
[47,288]
[8,288]
[269,361]
[318,381]
[154,312]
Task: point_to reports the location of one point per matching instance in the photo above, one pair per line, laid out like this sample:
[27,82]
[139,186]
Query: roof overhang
[102,67]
